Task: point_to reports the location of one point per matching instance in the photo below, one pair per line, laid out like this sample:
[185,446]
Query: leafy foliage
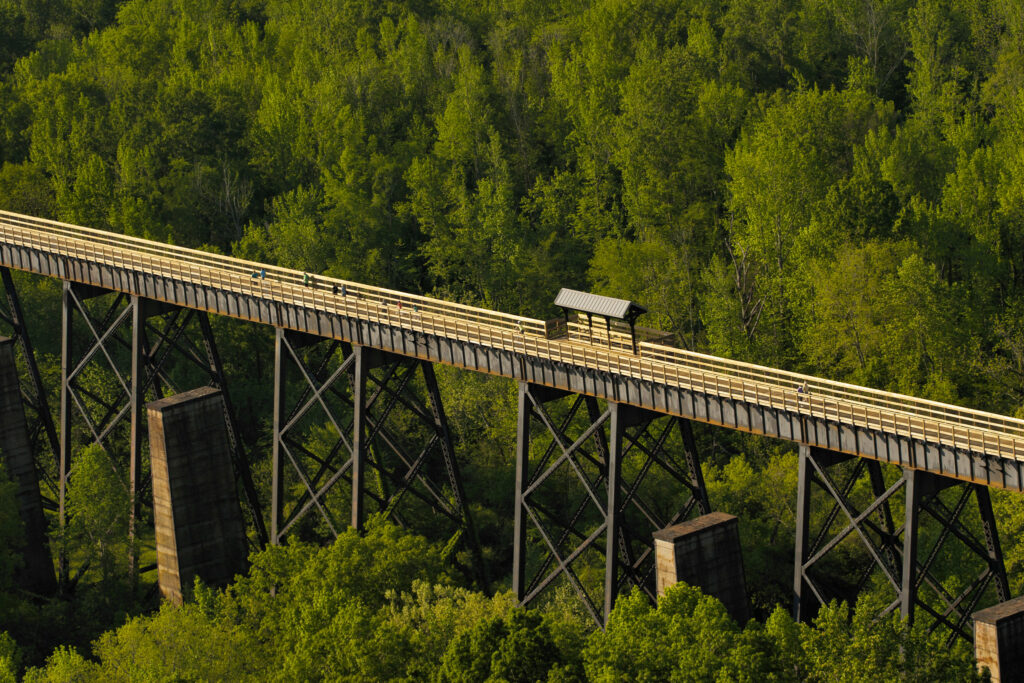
[829,186]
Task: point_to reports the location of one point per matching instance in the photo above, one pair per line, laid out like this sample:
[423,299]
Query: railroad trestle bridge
[363,355]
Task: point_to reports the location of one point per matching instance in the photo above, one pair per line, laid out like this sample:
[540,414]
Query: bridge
[648,396]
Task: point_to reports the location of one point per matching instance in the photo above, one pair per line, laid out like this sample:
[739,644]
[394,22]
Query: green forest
[834,187]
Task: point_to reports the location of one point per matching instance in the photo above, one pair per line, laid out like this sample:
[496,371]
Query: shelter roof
[598,305]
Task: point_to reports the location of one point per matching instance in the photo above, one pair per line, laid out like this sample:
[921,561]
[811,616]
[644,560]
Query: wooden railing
[892,413]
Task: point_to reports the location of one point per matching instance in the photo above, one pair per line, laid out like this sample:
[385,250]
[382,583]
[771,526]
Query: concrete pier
[999,640]
[37,574]
[704,552]
[199,529]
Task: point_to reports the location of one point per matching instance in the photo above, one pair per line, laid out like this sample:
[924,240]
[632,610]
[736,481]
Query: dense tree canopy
[829,186]
[306,614]
[710,159]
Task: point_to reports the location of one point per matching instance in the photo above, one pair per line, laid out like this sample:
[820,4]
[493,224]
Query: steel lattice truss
[378,426]
[129,352]
[906,556]
[587,490]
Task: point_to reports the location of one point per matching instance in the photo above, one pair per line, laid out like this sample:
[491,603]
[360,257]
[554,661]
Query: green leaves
[353,611]
[97,510]
[832,186]
[514,648]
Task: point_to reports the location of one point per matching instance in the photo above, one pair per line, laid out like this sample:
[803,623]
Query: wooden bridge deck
[965,444]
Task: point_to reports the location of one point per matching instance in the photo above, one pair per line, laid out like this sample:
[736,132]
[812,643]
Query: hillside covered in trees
[829,186]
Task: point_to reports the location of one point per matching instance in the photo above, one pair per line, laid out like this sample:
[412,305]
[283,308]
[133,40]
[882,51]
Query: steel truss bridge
[596,425]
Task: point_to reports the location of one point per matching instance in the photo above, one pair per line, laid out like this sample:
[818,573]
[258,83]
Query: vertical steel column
[908,587]
[700,492]
[801,591]
[135,446]
[452,466]
[995,550]
[878,488]
[522,480]
[234,439]
[908,562]
[359,445]
[64,465]
[280,382]
[613,516]
[579,501]
[363,447]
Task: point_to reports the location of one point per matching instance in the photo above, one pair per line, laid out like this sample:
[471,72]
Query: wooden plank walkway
[945,439]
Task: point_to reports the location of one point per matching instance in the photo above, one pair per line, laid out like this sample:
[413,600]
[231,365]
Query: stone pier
[704,552]
[37,574]
[199,529]
[999,640]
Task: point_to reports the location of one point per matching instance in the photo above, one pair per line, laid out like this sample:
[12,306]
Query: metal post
[67,306]
[995,551]
[135,445]
[613,517]
[522,481]
[801,594]
[594,413]
[700,492]
[884,512]
[276,492]
[234,439]
[452,465]
[908,588]
[359,445]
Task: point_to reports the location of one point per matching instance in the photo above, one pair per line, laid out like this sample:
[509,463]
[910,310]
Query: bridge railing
[884,411]
[238,274]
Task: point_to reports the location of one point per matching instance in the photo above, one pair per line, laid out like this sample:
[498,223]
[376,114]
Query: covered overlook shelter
[605,306]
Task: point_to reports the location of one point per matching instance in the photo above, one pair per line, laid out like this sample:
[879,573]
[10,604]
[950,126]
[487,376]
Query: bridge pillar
[131,341]
[578,493]
[16,454]
[40,435]
[999,640]
[199,528]
[852,516]
[43,431]
[705,552]
[373,420]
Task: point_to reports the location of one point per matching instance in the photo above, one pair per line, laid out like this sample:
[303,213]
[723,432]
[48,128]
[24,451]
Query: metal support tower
[906,556]
[105,381]
[350,413]
[578,494]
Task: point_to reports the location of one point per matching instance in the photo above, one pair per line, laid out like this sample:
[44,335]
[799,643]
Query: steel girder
[130,343]
[908,556]
[350,413]
[579,494]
